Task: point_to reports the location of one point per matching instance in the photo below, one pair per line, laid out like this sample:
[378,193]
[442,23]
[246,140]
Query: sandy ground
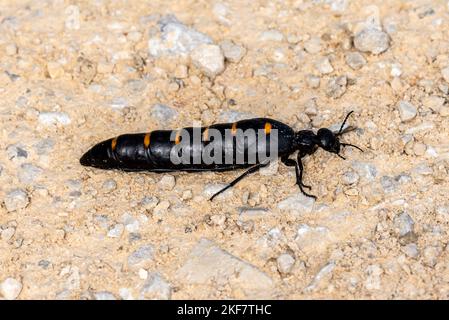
[76,72]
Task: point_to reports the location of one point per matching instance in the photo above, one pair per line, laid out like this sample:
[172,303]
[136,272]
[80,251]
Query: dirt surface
[73,73]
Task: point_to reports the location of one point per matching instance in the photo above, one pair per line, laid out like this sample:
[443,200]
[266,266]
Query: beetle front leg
[298,170]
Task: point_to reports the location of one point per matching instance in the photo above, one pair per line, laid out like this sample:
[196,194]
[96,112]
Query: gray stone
[285,263]
[252,213]
[350,177]
[119,103]
[313,81]
[231,51]
[407,111]
[209,59]
[16,152]
[142,254]
[388,184]
[211,188]
[116,231]
[207,263]
[355,60]
[365,170]
[44,146]
[175,38]
[10,288]
[430,255]
[29,172]
[372,40]
[336,87]
[403,224]
[411,250]
[16,199]
[233,116]
[163,113]
[156,288]
[324,66]
[297,203]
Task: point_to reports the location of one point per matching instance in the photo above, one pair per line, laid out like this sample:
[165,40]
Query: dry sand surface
[73,73]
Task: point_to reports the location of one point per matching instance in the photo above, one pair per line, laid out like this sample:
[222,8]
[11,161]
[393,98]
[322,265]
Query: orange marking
[146,140]
[206,134]
[178,137]
[234,128]
[114,144]
[267,128]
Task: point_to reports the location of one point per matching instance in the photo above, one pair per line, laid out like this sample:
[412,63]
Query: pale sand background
[378,230]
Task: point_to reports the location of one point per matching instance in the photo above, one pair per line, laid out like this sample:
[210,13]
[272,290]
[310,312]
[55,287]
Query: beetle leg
[234,182]
[298,170]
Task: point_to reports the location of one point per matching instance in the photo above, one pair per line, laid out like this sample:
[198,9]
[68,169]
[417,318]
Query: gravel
[162,113]
[324,66]
[271,35]
[167,182]
[313,45]
[141,255]
[355,60]
[209,59]
[104,295]
[53,118]
[109,185]
[372,40]
[336,87]
[16,199]
[10,288]
[350,177]
[297,203]
[285,263]
[175,38]
[29,172]
[116,231]
[231,51]
[156,288]
[403,224]
[313,81]
[445,74]
[407,111]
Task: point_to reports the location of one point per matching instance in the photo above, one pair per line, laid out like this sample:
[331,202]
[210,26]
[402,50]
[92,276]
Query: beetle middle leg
[299,171]
[243,175]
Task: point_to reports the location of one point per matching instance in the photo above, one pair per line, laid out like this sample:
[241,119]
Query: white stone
[53,118]
[7,234]
[209,59]
[373,281]
[16,199]
[207,263]
[445,74]
[298,203]
[104,295]
[156,288]
[231,51]
[285,263]
[313,45]
[372,40]
[322,275]
[175,38]
[324,66]
[116,231]
[167,182]
[10,288]
[407,111]
[72,20]
[271,35]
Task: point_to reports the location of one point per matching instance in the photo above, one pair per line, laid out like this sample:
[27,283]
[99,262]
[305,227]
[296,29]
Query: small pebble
[10,288]
[434,103]
[167,182]
[411,250]
[109,185]
[209,59]
[231,51]
[388,184]
[372,40]
[285,263]
[403,224]
[336,87]
[142,254]
[355,60]
[54,69]
[163,113]
[53,118]
[29,172]
[16,152]
[16,199]
[143,274]
[350,177]
[8,233]
[430,255]
[161,208]
[313,45]
[419,148]
[156,288]
[407,111]
[313,81]
[116,231]
[324,66]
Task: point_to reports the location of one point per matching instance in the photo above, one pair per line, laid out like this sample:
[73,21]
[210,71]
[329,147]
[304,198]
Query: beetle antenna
[351,145]
[343,124]
[341,156]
